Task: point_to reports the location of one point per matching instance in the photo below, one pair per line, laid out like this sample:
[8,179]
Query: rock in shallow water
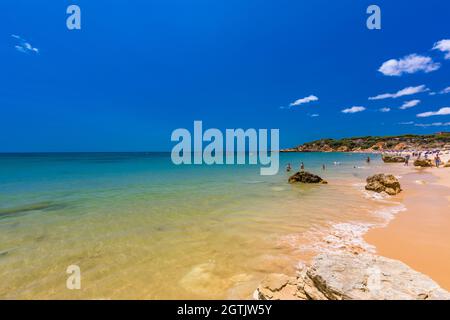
[344,276]
[383,183]
[306,177]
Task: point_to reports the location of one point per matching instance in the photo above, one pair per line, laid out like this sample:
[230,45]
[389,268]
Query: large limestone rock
[383,183]
[393,159]
[306,177]
[345,276]
[424,163]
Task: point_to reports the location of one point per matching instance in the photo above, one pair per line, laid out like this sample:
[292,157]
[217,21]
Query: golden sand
[420,236]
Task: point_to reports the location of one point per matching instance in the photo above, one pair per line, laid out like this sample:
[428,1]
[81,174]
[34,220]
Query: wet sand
[420,236]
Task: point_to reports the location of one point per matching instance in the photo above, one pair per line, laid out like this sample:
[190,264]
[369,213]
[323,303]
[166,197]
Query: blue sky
[138,70]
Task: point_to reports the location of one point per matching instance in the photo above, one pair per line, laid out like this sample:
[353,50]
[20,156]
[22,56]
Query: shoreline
[420,236]
[411,242]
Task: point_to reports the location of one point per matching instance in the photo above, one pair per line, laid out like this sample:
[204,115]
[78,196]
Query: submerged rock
[344,276]
[424,163]
[383,183]
[393,159]
[306,177]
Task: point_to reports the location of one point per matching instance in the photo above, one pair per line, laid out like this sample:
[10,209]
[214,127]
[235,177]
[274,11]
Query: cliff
[376,144]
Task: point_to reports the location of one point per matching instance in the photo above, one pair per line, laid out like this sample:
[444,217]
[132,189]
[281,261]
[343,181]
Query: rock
[306,177]
[393,159]
[343,276]
[383,183]
[447,165]
[343,149]
[277,286]
[400,146]
[424,163]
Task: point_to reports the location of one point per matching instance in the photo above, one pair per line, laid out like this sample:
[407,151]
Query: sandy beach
[420,235]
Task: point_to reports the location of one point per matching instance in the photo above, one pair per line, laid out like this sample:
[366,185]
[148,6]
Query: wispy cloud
[354,109]
[441,112]
[444,46]
[434,124]
[445,91]
[409,104]
[406,123]
[23,45]
[409,64]
[385,109]
[404,92]
[314,115]
[304,100]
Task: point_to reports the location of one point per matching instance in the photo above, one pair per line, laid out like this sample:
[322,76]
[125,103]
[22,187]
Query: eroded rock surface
[424,163]
[306,177]
[393,159]
[383,183]
[344,276]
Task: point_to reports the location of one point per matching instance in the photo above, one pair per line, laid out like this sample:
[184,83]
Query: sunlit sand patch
[278,189]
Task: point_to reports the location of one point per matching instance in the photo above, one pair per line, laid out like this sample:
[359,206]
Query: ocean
[140,227]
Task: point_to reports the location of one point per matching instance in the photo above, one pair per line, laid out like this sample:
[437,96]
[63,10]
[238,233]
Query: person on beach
[323,167]
[437,160]
[288,167]
[407,160]
[302,167]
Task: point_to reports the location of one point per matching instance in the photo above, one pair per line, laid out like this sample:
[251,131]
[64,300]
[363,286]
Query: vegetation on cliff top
[374,143]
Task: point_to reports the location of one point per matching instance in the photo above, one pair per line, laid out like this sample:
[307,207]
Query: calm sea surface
[140,227]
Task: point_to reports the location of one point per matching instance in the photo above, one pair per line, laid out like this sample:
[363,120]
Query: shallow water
[140,227]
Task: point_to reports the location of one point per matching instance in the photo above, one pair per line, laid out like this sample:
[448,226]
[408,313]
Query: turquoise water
[140,227]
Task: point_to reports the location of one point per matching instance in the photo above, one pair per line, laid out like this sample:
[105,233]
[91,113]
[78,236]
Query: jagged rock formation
[393,159]
[346,276]
[371,144]
[306,177]
[424,163]
[383,183]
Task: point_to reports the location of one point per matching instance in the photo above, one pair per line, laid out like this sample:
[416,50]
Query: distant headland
[440,140]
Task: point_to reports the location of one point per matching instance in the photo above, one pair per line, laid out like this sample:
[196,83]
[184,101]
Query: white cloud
[385,109]
[409,104]
[353,109]
[445,91]
[444,46]
[307,99]
[404,92]
[406,123]
[314,115]
[23,45]
[440,112]
[434,124]
[409,64]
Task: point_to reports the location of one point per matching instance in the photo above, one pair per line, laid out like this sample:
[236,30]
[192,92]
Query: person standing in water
[302,167]
[323,167]
[368,160]
[288,167]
